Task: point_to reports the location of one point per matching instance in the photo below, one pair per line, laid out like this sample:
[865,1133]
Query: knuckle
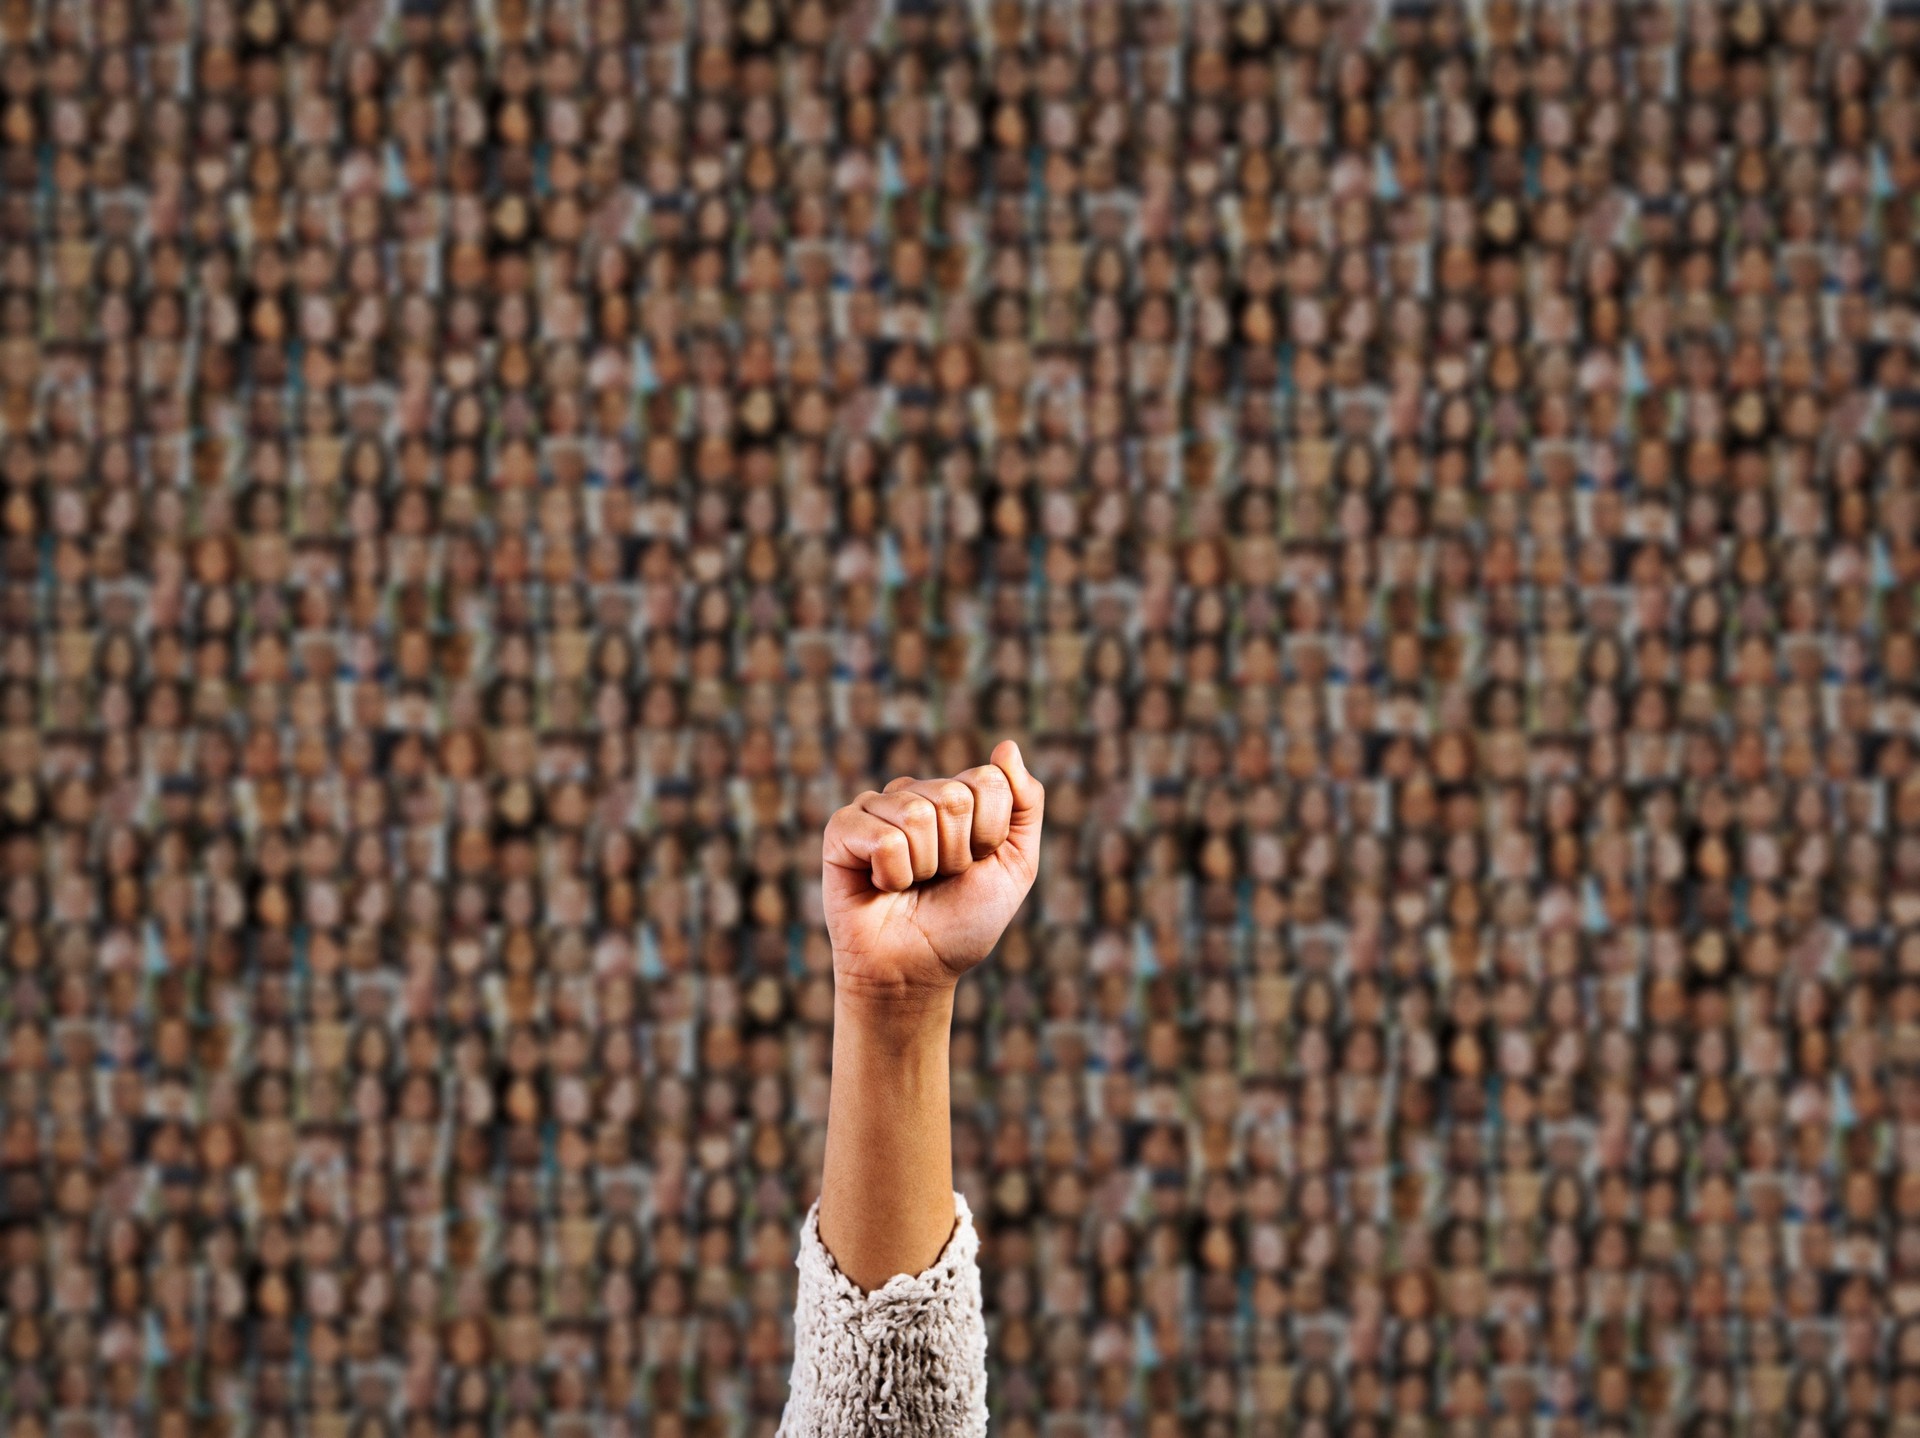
[955,798]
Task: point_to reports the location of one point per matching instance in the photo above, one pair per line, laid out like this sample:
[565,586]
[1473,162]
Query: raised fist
[920,881]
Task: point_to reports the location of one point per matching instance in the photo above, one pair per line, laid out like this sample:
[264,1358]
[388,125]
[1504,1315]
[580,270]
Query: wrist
[892,1018]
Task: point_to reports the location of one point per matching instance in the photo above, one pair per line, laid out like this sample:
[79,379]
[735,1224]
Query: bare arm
[886,1200]
[918,884]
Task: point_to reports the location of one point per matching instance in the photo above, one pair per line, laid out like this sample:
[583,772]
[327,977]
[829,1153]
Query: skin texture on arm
[918,884]
[886,1198]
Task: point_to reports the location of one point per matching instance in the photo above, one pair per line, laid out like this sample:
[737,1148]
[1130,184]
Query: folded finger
[913,815]
[992,806]
[862,844]
[953,817]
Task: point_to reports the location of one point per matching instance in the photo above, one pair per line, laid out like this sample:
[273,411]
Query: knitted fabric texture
[908,1358]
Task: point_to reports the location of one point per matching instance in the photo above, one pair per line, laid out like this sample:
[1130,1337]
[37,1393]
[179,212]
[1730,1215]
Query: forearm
[887,1330]
[886,1198]
[918,884]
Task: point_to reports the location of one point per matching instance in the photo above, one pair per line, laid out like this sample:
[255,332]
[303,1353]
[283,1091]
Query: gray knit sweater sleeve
[908,1359]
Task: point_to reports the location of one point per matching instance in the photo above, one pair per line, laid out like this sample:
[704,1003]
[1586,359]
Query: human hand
[919,881]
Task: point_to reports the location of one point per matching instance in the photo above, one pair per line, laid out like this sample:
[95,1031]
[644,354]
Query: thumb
[1029,801]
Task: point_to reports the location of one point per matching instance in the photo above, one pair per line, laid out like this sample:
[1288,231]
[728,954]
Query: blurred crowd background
[1431,485]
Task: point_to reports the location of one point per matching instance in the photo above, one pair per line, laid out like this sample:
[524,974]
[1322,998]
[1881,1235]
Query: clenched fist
[920,881]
